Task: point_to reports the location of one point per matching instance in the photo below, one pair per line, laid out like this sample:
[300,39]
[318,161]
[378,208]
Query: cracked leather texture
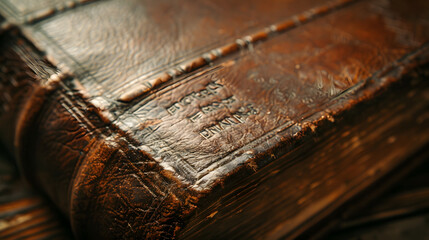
[142,169]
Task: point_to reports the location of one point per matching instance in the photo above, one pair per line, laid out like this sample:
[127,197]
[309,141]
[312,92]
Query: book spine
[22,85]
[65,147]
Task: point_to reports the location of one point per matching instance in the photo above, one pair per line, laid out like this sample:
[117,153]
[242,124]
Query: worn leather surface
[198,109]
[143,107]
[21,84]
[27,214]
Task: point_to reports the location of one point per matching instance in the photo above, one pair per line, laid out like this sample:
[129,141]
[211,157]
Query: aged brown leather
[135,116]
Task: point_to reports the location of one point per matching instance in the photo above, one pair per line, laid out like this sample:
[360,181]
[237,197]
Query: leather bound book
[399,213]
[213,119]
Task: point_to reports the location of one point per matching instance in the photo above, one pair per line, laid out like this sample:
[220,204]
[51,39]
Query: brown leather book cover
[398,213]
[158,119]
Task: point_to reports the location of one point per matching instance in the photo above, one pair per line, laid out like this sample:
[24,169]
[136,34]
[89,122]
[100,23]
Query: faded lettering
[212,107]
[236,118]
[210,89]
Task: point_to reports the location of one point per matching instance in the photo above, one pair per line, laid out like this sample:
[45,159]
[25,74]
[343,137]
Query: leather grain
[131,114]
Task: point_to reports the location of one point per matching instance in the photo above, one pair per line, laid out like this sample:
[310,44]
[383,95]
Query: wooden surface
[25,213]
[401,214]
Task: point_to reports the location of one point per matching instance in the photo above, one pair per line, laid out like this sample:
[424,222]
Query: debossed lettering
[236,118]
[212,107]
[210,89]
[195,117]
